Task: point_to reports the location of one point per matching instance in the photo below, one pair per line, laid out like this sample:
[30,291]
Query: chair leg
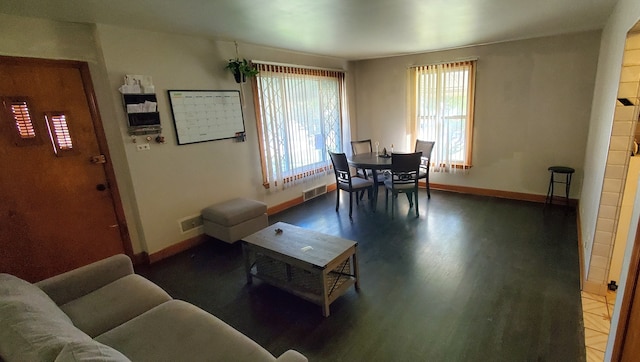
[364,175]
[428,188]
[549,199]
[417,202]
[567,188]
[386,199]
[337,199]
[351,203]
[394,195]
[410,198]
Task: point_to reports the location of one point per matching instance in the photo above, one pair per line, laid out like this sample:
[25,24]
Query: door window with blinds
[26,129]
[19,115]
[22,118]
[442,109]
[299,116]
[59,133]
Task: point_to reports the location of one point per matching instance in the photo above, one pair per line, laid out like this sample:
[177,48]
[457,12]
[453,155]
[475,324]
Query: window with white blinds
[442,110]
[299,116]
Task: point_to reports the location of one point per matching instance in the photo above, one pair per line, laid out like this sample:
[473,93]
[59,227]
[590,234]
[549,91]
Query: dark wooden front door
[57,209]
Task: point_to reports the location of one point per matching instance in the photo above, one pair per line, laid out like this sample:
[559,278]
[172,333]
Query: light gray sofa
[105,312]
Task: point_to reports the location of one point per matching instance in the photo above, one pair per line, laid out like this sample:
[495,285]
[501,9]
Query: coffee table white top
[303,244]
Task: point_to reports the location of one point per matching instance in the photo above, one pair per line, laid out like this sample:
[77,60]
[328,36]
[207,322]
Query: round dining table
[374,162]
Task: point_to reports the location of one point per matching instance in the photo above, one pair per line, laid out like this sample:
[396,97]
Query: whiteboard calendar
[201,116]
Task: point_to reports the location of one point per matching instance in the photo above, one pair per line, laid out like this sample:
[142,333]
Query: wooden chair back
[341,168]
[362,146]
[405,167]
[426,147]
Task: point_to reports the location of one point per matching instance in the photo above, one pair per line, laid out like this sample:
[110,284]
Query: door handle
[98,159]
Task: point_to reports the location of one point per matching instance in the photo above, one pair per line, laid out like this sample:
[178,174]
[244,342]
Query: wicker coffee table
[312,265]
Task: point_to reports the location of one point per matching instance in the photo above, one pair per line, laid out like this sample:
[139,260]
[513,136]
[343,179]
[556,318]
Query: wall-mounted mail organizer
[140,104]
[142,113]
[207,115]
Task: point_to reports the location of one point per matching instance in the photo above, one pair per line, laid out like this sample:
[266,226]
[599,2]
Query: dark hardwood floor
[472,279]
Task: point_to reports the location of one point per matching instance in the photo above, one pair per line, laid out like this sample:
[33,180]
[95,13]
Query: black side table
[561,170]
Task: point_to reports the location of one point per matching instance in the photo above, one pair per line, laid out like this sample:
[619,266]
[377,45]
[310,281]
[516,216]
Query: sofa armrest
[75,283]
[292,356]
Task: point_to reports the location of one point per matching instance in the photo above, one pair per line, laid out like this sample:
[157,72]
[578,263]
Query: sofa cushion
[114,304]
[32,327]
[89,351]
[75,283]
[179,331]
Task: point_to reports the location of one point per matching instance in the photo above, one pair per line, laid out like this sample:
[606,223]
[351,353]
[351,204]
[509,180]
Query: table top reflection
[371,161]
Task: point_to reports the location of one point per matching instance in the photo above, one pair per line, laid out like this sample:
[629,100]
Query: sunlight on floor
[596,313]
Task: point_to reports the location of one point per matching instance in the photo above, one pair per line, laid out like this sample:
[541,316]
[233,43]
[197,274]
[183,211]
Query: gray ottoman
[232,220]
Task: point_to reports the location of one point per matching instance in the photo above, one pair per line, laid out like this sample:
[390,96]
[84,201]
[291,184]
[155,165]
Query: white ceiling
[350,29]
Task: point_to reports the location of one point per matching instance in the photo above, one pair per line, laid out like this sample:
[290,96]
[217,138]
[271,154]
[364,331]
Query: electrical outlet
[143,147]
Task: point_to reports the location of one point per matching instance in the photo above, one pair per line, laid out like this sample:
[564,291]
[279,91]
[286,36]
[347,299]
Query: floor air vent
[314,192]
[190,223]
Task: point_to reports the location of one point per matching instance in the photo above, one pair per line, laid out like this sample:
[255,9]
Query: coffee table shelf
[312,265]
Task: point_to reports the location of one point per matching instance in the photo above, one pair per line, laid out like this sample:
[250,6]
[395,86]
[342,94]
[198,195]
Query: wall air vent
[625,101]
[314,192]
[190,222]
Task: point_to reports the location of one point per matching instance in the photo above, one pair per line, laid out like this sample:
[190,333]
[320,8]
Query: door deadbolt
[98,159]
[101,187]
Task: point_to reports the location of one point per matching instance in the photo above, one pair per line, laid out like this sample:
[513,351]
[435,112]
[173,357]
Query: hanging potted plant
[241,69]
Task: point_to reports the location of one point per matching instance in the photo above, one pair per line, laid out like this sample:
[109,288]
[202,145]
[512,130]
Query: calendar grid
[202,116]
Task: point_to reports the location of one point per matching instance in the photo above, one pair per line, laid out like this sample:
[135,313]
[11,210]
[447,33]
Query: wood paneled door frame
[627,342]
[104,148]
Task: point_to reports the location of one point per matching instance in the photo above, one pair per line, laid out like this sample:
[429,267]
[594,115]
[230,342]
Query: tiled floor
[596,313]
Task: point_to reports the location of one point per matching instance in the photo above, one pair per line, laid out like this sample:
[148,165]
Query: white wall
[533,101]
[29,37]
[624,221]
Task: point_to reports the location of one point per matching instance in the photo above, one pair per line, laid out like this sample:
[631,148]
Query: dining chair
[426,147]
[362,146]
[405,168]
[365,146]
[345,182]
